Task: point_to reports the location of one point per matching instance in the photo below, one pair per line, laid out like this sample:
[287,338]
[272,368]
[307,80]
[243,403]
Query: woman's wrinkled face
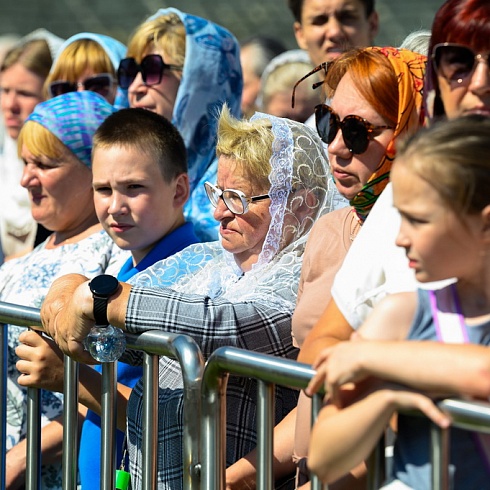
[60,190]
[472,95]
[158,98]
[241,234]
[350,171]
[20,91]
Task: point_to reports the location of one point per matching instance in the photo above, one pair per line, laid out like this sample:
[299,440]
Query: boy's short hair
[150,133]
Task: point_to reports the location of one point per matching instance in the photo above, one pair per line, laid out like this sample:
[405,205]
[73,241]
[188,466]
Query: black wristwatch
[102,287]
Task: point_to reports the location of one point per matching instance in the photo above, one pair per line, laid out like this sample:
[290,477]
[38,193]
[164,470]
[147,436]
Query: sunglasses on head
[101,84]
[323,66]
[151,68]
[356,131]
[236,201]
[455,62]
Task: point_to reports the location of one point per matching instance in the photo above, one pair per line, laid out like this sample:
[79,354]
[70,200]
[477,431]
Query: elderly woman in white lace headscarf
[273,182]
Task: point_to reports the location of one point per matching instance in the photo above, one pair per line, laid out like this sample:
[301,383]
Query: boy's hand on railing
[41,362]
[67,315]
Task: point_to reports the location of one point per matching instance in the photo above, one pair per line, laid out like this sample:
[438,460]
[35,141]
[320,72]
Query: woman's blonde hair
[283,79]
[249,143]
[76,58]
[166,32]
[40,141]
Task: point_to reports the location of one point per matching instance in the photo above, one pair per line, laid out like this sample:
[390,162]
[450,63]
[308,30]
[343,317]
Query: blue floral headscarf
[212,75]
[73,118]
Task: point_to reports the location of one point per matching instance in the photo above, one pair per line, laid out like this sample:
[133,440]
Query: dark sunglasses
[356,131]
[151,68]
[100,84]
[455,62]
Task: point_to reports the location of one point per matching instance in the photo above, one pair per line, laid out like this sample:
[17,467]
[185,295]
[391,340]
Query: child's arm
[343,438]
[449,369]
[41,366]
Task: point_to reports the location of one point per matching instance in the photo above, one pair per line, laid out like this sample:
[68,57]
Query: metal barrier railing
[269,371]
[204,437]
[154,344]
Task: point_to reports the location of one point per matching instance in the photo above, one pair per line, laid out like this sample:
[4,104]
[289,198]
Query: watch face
[104,285]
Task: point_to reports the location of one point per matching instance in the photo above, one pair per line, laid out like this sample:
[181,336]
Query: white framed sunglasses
[236,201]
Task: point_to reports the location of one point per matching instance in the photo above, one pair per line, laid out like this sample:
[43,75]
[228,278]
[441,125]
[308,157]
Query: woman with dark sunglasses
[374,98]
[185,68]
[88,61]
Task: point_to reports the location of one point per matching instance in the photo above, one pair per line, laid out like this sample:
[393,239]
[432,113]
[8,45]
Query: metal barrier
[269,371]
[154,344]
[204,438]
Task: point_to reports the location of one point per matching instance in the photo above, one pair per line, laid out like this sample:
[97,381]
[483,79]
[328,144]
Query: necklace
[354,228]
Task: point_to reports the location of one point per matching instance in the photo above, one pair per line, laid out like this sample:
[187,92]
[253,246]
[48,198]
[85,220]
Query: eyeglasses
[101,84]
[322,66]
[235,201]
[356,130]
[455,62]
[151,68]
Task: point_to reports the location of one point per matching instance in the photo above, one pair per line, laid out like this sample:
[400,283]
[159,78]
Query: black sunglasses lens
[454,62]
[127,72]
[100,85]
[326,124]
[355,134]
[152,68]
[60,88]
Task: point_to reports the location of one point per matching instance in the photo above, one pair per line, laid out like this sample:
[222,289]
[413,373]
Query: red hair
[458,21]
[373,76]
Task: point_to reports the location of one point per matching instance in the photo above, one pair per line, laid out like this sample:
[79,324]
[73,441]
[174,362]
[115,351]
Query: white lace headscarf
[301,190]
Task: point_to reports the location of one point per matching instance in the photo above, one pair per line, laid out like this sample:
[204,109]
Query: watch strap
[100,310]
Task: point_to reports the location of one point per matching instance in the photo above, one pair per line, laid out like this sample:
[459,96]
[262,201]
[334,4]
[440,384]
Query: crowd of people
[327,204]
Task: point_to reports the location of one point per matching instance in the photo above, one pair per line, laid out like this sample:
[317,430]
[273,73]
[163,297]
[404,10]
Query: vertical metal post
[33,455]
[70,424]
[316,406]
[265,435]
[150,421]
[439,457]
[3,402]
[108,425]
[213,430]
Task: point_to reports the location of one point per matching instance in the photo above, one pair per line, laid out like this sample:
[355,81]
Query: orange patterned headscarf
[409,68]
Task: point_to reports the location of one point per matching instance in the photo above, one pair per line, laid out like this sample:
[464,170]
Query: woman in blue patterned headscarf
[55,144]
[184,68]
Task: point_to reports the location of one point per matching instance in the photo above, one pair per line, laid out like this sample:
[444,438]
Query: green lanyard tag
[122,480]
